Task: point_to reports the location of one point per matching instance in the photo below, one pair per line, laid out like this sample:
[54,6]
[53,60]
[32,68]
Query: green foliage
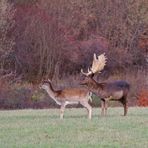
[95,101]
[38,95]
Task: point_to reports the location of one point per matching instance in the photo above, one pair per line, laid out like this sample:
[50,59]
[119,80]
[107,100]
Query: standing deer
[116,90]
[68,96]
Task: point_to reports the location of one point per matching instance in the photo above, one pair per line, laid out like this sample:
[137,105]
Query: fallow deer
[67,96]
[116,90]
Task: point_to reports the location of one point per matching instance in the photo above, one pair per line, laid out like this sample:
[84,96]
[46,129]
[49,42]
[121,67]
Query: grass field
[44,129]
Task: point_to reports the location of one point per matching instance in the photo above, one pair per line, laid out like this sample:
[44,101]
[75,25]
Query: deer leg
[125,107]
[124,102]
[102,106]
[106,103]
[105,106]
[88,107]
[62,110]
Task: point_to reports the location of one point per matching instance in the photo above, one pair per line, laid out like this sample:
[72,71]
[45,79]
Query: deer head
[45,84]
[97,66]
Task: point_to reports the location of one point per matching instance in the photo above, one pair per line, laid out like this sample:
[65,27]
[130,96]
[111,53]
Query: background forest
[54,39]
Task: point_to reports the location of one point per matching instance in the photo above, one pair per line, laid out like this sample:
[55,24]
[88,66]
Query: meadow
[43,129]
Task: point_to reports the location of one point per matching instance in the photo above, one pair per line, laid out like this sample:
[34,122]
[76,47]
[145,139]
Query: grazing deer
[116,90]
[68,96]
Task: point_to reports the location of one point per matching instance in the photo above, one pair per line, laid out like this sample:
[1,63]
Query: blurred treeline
[54,39]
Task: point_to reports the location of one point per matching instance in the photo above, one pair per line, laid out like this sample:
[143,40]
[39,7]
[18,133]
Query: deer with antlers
[67,96]
[116,90]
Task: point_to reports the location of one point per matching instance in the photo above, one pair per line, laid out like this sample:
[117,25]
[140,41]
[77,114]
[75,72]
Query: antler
[97,65]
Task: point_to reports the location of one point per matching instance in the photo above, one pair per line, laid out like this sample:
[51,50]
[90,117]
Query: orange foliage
[143,44]
[143,98]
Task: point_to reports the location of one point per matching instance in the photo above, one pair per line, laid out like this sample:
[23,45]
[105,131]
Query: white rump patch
[118,94]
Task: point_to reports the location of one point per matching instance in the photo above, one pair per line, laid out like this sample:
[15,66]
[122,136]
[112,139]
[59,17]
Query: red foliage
[143,98]
[143,44]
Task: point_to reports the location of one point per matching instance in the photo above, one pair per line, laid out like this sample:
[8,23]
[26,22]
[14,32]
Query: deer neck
[51,92]
[95,86]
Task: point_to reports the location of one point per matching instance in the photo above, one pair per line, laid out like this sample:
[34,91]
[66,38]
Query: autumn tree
[7,22]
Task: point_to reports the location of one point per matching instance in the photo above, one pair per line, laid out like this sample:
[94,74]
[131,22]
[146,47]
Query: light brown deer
[68,96]
[116,90]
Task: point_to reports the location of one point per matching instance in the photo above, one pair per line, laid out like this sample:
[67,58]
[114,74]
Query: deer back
[72,93]
[116,89]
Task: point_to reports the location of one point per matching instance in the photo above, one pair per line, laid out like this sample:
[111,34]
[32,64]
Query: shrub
[143,98]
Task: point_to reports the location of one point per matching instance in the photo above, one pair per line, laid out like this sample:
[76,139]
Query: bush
[143,98]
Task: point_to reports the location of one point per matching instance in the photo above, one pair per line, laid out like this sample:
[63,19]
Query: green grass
[44,129]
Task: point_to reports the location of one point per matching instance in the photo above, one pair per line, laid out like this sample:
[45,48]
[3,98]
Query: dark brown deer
[116,90]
